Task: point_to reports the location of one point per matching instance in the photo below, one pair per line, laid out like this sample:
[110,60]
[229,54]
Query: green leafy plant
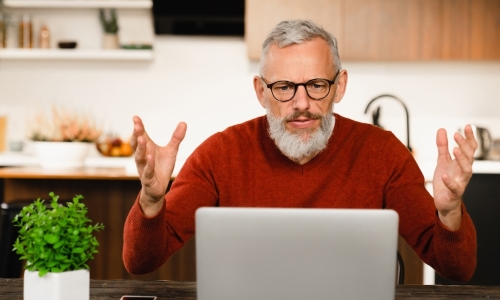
[109,23]
[58,239]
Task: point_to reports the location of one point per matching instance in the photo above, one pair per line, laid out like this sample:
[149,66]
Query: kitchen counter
[478,167]
[94,160]
[109,193]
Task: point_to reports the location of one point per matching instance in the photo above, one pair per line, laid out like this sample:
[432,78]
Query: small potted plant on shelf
[56,245]
[109,22]
[62,138]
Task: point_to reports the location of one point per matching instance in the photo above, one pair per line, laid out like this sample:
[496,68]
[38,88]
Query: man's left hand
[452,176]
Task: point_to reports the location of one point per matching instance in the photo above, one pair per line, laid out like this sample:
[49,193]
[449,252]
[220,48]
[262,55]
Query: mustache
[306,114]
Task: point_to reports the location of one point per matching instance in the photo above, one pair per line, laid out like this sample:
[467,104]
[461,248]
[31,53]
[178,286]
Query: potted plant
[56,244]
[109,22]
[62,138]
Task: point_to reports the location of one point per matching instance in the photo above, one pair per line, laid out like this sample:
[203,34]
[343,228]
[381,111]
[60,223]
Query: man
[302,155]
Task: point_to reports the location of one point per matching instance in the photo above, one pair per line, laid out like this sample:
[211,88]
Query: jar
[25,32]
[44,41]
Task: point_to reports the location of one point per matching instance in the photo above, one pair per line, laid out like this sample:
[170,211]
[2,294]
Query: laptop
[295,253]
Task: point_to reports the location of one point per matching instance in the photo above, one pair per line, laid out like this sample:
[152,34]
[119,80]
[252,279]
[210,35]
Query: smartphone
[130,297]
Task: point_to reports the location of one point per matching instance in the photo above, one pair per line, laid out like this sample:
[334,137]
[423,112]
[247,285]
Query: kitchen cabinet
[481,199]
[390,30]
[78,20]
[422,30]
[262,15]
[109,193]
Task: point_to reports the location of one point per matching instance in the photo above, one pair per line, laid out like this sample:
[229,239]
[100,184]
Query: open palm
[155,164]
[452,174]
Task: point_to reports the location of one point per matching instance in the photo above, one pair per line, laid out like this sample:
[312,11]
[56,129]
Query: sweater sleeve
[451,253]
[149,242]
[143,238]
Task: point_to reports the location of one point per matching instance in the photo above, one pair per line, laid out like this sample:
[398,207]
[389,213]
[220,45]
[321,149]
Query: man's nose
[301,99]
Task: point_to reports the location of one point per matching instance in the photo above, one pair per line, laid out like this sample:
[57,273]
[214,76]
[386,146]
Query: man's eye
[282,87]
[317,85]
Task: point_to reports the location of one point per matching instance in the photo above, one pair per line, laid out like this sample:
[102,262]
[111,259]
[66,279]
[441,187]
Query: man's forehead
[310,58]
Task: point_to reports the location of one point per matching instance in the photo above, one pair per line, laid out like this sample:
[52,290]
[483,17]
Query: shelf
[79,3]
[59,54]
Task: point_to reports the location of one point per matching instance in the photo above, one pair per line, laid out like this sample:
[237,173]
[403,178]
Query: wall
[207,82]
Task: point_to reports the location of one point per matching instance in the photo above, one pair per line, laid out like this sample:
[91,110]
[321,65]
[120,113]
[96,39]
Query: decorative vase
[110,41]
[61,154]
[74,285]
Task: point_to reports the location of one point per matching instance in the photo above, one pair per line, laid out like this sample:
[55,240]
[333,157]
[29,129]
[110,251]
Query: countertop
[17,159]
[478,167]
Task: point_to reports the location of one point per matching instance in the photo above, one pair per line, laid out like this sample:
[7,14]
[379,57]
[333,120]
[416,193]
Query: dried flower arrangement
[64,126]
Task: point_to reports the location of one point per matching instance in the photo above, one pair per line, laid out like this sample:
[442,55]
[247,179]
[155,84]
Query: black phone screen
[138,298]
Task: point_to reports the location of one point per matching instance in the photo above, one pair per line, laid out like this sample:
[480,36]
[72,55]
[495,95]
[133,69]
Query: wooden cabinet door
[471,29]
[393,29]
[262,15]
[409,30]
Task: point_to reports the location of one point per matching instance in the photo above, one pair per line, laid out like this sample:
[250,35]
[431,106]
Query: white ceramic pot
[61,154]
[74,285]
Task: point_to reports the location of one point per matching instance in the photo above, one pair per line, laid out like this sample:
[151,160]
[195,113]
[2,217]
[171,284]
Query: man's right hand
[155,165]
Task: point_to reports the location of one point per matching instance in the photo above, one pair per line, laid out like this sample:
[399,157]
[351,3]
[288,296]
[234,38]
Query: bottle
[25,32]
[44,39]
[3,32]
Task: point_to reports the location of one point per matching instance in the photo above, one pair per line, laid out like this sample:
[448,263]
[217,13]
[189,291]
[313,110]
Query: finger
[149,168]
[452,185]
[465,165]
[470,138]
[442,145]
[178,136]
[466,148]
[140,155]
[138,131]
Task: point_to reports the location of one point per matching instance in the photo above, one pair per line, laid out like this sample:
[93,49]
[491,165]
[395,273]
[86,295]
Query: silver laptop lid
[291,253]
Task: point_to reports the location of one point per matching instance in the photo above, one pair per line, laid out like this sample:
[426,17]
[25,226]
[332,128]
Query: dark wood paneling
[109,202]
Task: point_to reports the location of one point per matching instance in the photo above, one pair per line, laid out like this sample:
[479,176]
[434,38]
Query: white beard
[303,143]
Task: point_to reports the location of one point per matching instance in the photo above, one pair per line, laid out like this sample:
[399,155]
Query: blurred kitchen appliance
[484,142]
[199,17]
[494,153]
[376,115]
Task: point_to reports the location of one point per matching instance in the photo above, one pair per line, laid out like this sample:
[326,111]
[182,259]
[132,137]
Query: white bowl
[61,154]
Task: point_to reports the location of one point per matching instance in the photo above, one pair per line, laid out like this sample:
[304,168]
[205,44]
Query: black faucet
[376,116]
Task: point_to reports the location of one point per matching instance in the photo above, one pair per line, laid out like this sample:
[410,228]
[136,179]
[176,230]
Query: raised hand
[452,175]
[155,164]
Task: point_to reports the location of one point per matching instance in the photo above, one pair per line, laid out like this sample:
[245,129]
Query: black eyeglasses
[317,88]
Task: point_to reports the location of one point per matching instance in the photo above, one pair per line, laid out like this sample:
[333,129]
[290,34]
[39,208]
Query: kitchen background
[206,81]
[440,57]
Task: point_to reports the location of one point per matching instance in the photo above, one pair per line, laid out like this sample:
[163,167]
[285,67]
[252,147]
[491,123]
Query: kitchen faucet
[376,116]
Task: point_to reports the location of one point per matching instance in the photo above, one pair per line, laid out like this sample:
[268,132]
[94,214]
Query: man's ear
[341,86]
[259,90]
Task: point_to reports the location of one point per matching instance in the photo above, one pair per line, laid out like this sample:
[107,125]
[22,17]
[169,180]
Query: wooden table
[109,193]
[12,289]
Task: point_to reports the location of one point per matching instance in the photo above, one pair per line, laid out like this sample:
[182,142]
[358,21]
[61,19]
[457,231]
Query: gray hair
[292,32]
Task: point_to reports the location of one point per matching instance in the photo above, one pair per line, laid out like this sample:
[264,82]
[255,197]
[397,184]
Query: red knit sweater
[363,166]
